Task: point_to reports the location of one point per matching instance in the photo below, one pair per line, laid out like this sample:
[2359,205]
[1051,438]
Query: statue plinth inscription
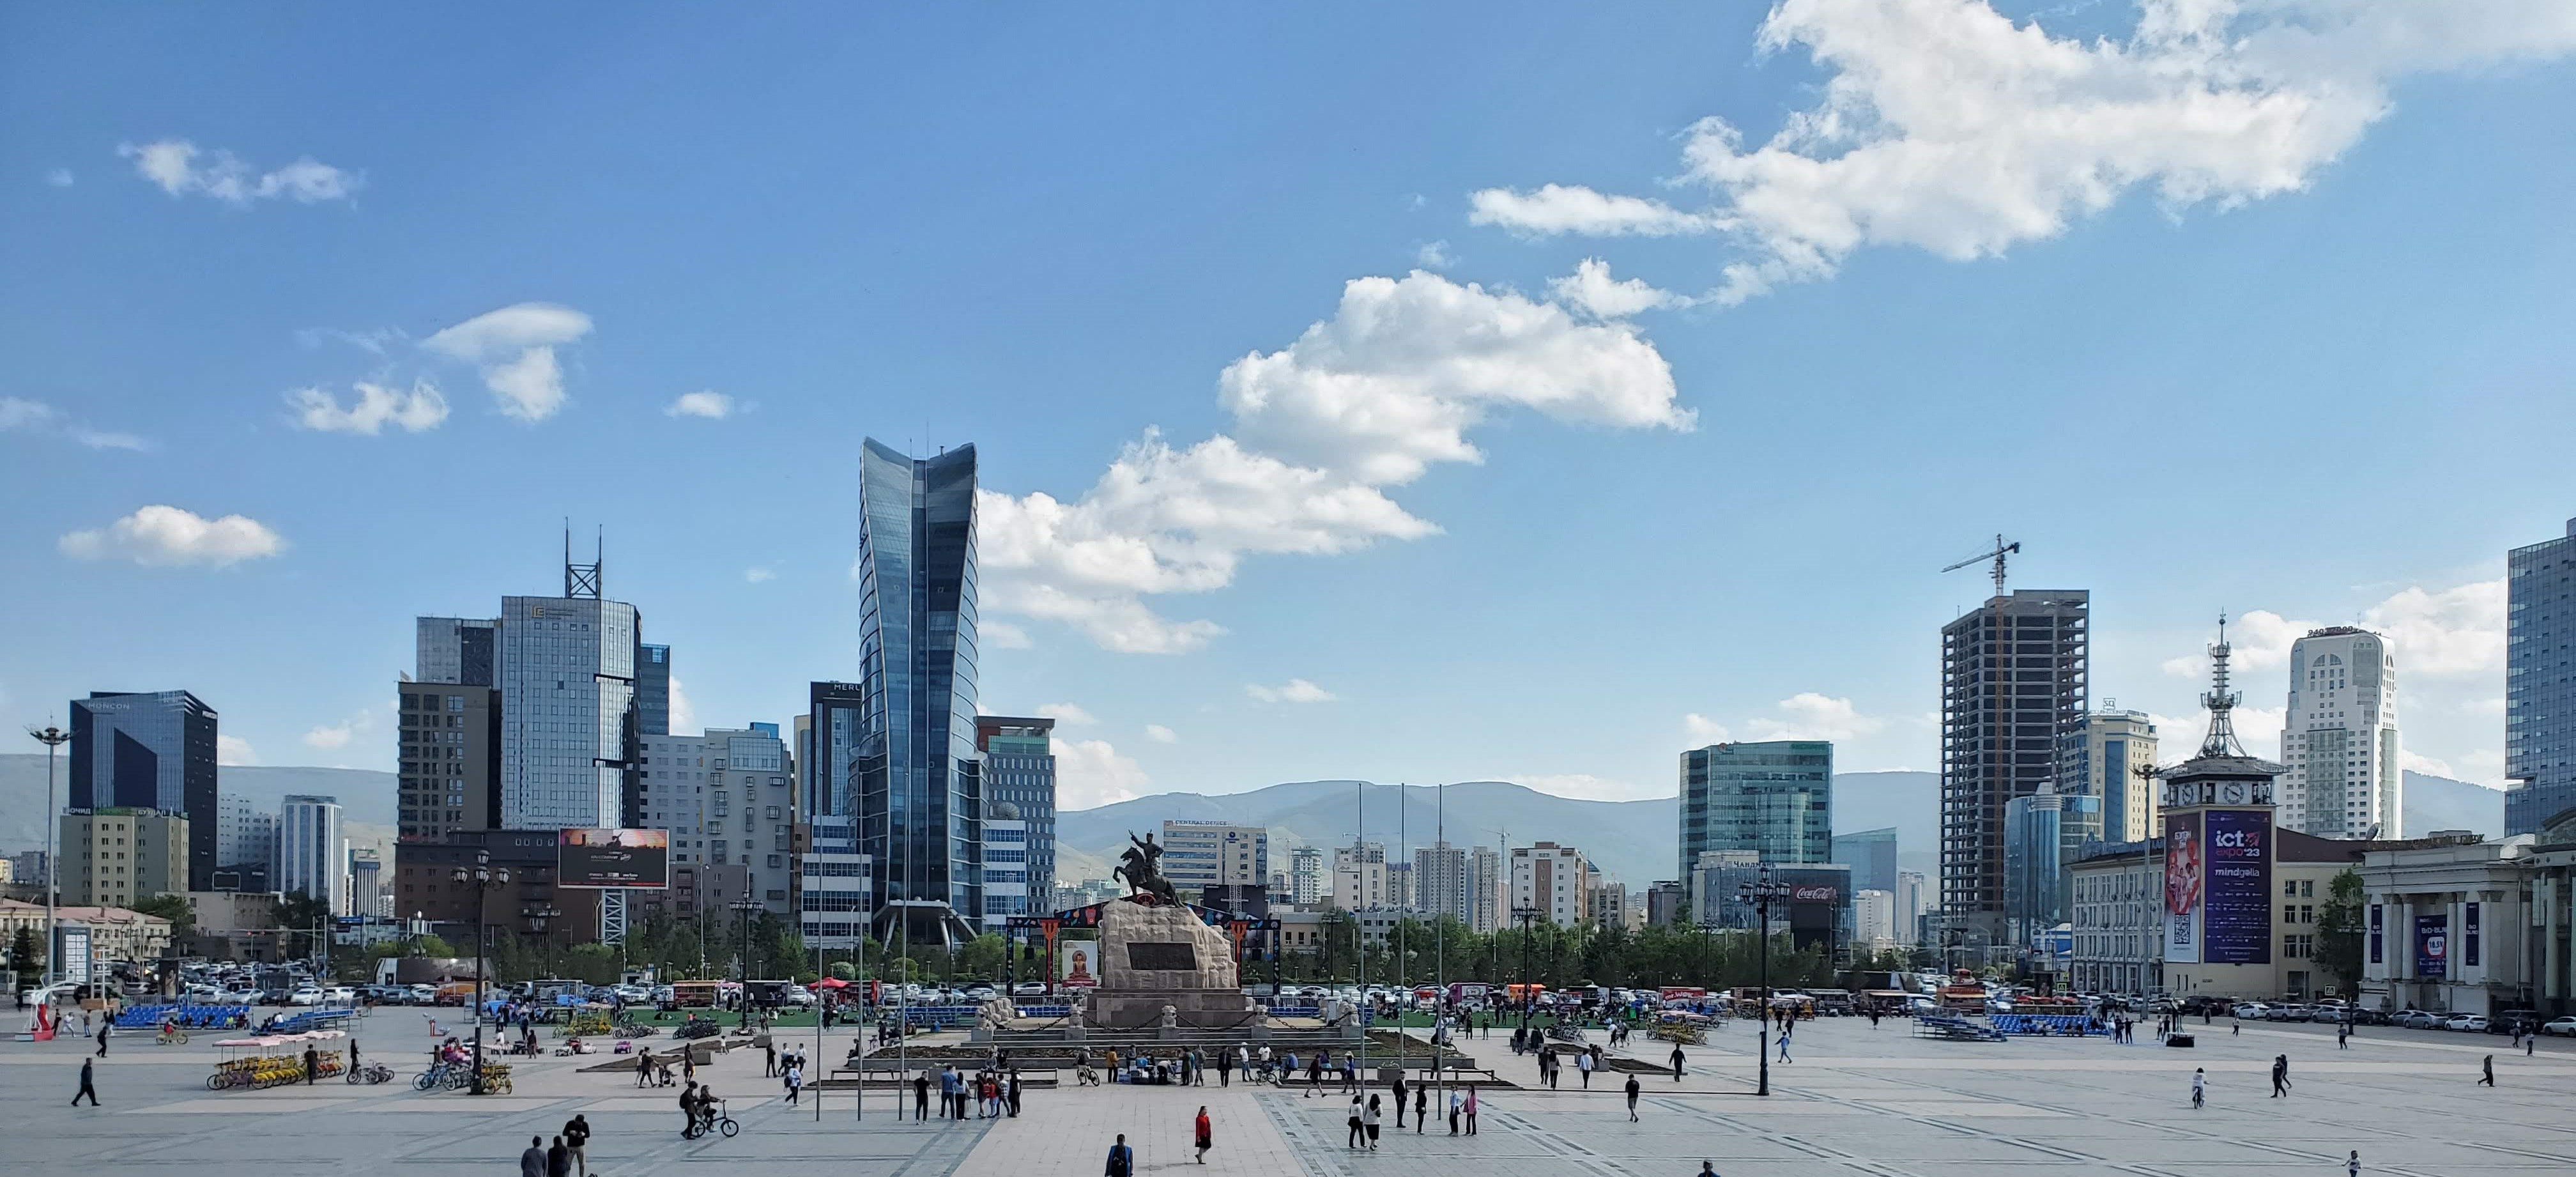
[1162,956]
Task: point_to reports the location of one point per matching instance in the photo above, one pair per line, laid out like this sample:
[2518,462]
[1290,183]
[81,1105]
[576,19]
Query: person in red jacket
[1206,1134]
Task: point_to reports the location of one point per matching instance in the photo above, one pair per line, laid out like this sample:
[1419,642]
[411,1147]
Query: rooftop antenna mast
[2220,701]
[2002,549]
[582,580]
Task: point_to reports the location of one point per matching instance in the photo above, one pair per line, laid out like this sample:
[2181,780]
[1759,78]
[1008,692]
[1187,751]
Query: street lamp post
[1760,894]
[540,917]
[52,738]
[1527,917]
[482,876]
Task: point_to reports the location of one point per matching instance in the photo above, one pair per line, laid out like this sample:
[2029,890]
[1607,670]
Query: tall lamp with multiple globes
[1759,894]
[483,877]
[53,738]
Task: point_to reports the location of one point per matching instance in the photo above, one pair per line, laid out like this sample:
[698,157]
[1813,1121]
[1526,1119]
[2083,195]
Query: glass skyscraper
[1773,798]
[1019,771]
[653,690]
[568,717]
[150,751]
[920,793]
[2539,686]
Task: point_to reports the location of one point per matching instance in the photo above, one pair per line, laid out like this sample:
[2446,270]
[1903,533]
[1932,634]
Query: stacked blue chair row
[2050,1025]
[138,1017]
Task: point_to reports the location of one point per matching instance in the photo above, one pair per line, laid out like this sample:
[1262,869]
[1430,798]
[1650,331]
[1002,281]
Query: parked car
[2563,1027]
[980,994]
[2512,1021]
[2471,1022]
[2418,1019]
[2250,1010]
[307,995]
[1029,989]
[340,995]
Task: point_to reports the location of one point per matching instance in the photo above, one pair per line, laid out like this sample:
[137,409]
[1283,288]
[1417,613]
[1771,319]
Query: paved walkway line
[1071,1137]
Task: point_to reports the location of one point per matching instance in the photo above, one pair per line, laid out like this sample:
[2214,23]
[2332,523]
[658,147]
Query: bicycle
[170,1037]
[371,1073]
[715,1119]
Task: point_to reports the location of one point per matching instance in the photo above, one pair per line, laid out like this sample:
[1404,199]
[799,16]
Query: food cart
[273,1060]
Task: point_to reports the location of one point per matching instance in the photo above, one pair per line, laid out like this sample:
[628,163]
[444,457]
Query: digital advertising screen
[613,858]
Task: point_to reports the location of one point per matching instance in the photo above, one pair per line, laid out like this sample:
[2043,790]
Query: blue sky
[1426,394]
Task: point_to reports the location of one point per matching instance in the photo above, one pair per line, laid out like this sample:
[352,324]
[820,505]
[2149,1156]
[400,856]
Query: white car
[1029,989]
[340,995]
[2251,1011]
[307,995]
[2563,1027]
[980,994]
[2473,1022]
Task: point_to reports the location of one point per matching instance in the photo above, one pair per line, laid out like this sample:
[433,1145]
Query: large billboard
[2433,945]
[613,858]
[2183,883]
[2236,894]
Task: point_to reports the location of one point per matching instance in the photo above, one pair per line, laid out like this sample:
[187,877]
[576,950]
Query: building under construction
[2012,719]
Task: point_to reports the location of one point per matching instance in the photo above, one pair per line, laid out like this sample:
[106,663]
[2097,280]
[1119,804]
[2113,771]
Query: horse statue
[1142,866]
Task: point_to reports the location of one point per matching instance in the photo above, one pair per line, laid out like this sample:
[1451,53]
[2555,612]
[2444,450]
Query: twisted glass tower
[916,790]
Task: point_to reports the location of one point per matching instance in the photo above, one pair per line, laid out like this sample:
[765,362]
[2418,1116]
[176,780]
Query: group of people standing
[995,1092]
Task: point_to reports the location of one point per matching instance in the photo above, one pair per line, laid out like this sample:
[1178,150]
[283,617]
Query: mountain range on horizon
[1634,842]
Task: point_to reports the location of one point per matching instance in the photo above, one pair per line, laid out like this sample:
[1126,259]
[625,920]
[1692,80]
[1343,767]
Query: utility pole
[52,738]
[1760,894]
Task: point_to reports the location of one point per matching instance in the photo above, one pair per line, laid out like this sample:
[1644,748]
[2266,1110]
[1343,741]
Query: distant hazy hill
[2440,803]
[365,796]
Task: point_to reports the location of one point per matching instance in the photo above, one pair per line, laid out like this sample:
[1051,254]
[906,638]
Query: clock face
[2233,793]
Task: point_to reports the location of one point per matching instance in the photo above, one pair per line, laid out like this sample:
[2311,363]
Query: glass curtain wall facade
[568,718]
[653,690]
[150,751]
[1872,856]
[2540,682]
[1773,798]
[919,800]
[1019,769]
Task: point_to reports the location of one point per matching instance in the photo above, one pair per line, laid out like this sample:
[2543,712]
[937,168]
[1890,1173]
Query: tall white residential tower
[2340,738]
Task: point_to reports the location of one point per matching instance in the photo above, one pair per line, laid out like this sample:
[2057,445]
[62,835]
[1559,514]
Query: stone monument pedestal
[1161,960]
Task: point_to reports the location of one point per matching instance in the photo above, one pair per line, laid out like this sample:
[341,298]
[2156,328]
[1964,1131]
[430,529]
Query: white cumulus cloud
[59,177]
[1067,714]
[684,713]
[1295,690]
[1434,255]
[515,349]
[234,750]
[329,736]
[1161,735]
[1808,715]
[377,406]
[1092,773]
[1363,401]
[166,535]
[1947,126]
[1592,288]
[1001,635]
[714,406]
[1703,731]
[181,168]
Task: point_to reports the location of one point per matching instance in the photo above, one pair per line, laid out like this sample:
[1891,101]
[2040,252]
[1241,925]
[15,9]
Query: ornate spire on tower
[2220,701]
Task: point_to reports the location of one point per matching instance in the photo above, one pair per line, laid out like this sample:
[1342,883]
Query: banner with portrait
[2184,887]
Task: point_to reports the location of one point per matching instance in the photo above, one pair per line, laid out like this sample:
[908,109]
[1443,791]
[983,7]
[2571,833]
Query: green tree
[26,951]
[174,908]
[2339,932]
[304,917]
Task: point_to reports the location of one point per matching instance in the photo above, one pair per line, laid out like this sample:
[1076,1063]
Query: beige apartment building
[112,857]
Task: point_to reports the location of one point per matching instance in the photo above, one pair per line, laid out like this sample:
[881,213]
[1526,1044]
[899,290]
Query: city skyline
[246,363]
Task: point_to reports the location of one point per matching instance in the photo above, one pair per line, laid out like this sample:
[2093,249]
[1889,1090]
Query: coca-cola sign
[1811,894]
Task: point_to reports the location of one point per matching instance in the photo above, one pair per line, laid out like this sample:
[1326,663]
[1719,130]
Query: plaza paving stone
[1856,1101]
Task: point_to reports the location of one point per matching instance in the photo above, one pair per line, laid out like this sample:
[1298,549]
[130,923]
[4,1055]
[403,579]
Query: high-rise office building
[836,714]
[1006,865]
[1774,798]
[652,690]
[2013,702]
[1441,882]
[2540,682]
[1552,881]
[1019,768]
[749,819]
[2119,746]
[312,852]
[678,777]
[1306,875]
[367,894]
[1913,899]
[245,839]
[1872,856]
[2034,862]
[1608,903]
[450,759]
[568,719]
[919,800]
[1874,918]
[456,650]
[1489,890]
[2340,737]
[133,750]
[114,855]
[1202,854]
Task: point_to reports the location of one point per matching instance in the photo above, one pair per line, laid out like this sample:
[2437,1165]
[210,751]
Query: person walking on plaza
[1350,1070]
[1632,1099]
[1204,1133]
[1353,1121]
[102,1037]
[2486,1072]
[1421,1106]
[1369,1121]
[1707,1170]
[2352,1164]
[576,1138]
[1122,1159]
[85,1088]
[1315,1072]
[768,1058]
[2199,1079]
[643,1068]
[1677,1063]
[1015,1093]
[2280,1075]
[1471,1109]
[1583,1064]
[795,1080]
[532,1163]
[1399,1097]
[312,1065]
[1784,1047]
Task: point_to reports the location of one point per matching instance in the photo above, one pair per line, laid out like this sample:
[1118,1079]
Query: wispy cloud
[757,575]
[180,168]
[1295,690]
[713,406]
[59,177]
[1161,735]
[19,415]
[415,411]
[515,348]
[1067,714]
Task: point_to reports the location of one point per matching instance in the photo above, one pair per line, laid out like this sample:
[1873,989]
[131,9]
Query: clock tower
[2219,848]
